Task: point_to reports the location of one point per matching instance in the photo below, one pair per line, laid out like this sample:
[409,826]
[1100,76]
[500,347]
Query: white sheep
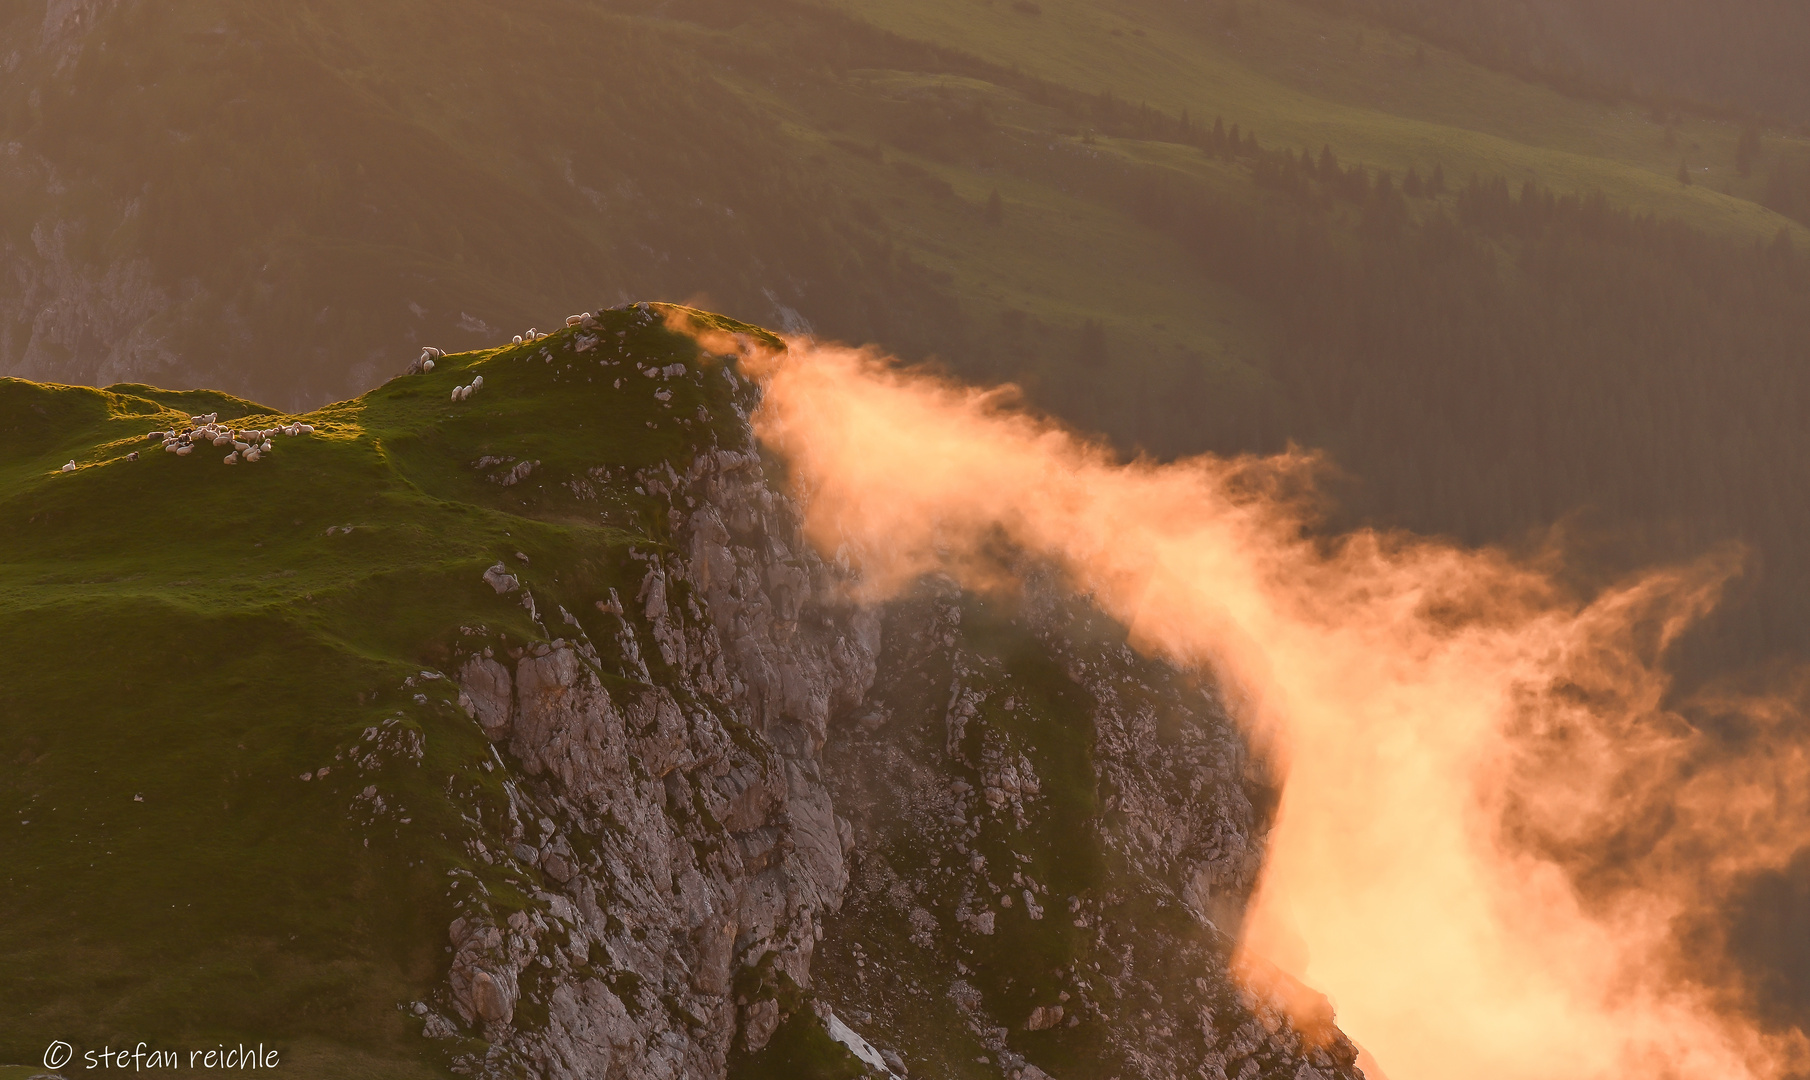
[70,467]
[232,458]
[264,448]
[250,453]
[158,436]
[458,393]
[477,383]
[427,365]
[221,440]
[517,340]
[241,447]
[574,320]
[305,429]
[184,450]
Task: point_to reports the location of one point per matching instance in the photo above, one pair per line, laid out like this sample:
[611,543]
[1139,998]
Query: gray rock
[718,851]
[759,1021]
[490,999]
[499,578]
[487,694]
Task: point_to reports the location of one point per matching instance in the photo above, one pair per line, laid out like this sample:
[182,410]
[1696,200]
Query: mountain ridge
[409,760]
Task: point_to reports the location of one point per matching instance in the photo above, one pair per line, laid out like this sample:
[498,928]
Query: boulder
[487,695]
[490,999]
[759,1021]
[500,579]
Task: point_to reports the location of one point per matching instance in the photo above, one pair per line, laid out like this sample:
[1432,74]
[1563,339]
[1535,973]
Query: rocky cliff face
[1050,840]
[667,796]
[1056,839]
[66,320]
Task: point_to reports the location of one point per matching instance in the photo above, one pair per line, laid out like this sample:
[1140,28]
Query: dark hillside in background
[1489,362]
[1484,355]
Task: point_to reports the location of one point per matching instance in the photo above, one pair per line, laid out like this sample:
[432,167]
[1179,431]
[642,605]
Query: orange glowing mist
[1460,739]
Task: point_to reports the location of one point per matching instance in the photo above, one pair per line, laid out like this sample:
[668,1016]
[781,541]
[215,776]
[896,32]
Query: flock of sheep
[247,444]
[535,335]
[425,362]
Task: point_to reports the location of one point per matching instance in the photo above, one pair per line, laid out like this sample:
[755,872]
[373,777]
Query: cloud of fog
[1491,828]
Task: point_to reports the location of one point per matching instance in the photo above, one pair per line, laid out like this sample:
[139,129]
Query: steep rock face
[67,320]
[1043,853]
[670,801]
[1055,842]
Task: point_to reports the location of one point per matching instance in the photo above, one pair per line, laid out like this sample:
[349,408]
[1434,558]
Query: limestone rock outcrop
[666,803]
[968,828]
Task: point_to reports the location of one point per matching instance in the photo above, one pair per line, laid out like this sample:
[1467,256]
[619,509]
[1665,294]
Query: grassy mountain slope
[1303,78]
[283,201]
[207,667]
[377,180]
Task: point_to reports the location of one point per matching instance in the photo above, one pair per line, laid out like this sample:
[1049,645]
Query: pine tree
[1410,184]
